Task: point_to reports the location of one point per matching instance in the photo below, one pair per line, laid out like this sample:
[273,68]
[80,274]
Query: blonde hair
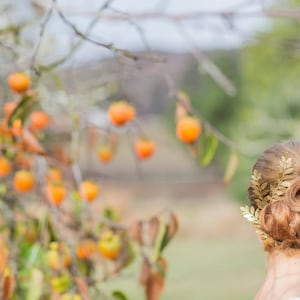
[279,217]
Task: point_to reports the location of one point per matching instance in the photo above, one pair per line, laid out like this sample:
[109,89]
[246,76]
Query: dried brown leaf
[83,288]
[31,144]
[60,155]
[145,272]
[135,231]
[193,147]
[8,287]
[231,167]
[152,279]
[92,136]
[153,229]
[183,106]
[3,258]
[172,226]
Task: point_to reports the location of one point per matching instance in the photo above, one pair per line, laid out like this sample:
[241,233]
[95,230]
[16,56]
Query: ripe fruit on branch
[88,190]
[58,256]
[144,148]
[56,192]
[39,120]
[23,181]
[54,175]
[61,283]
[86,249]
[110,245]
[121,112]
[19,82]
[5,167]
[23,161]
[105,153]
[188,129]
[9,107]
[53,257]
[17,127]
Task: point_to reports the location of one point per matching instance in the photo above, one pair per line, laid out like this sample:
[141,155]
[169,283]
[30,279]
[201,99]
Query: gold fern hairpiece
[265,193]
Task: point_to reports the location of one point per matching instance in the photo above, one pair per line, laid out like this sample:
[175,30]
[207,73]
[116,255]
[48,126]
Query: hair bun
[292,196]
[274,195]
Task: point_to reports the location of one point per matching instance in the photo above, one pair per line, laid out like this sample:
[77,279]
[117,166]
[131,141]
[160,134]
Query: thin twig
[144,16]
[209,67]
[111,46]
[10,48]
[138,28]
[39,41]
[79,43]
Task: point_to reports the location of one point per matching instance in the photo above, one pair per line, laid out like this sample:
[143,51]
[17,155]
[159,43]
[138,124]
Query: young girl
[274,195]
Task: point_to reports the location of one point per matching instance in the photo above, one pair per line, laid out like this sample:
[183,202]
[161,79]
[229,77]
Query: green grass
[207,269]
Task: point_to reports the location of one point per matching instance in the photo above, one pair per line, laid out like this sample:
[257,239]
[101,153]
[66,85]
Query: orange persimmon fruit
[121,112]
[88,190]
[23,181]
[19,82]
[144,148]
[5,167]
[39,120]
[188,129]
[110,245]
[54,175]
[85,249]
[56,192]
[105,153]
[9,107]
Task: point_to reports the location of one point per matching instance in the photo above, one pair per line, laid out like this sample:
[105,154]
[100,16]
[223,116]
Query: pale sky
[207,32]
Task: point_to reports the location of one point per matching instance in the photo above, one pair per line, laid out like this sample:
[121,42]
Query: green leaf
[111,213]
[209,147]
[118,295]
[3,189]
[51,230]
[231,167]
[22,110]
[130,254]
[35,285]
[161,241]
[33,256]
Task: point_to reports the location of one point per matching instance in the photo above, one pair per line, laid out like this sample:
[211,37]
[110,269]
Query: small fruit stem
[136,159]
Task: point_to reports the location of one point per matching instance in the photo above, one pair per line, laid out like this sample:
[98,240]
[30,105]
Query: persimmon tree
[53,245]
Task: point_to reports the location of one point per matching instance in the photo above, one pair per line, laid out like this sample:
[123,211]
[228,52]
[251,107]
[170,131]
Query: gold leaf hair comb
[266,193]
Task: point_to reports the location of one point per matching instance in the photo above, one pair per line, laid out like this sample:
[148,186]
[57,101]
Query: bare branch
[39,41]
[154,14]
[110,46]
[283,13]
[276,13]
[138,28]
[9,47]
[79,43]
[208,66]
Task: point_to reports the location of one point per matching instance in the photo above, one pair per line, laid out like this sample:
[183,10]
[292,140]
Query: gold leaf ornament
[252,215]
[260,190]
[286,172]
[265,193]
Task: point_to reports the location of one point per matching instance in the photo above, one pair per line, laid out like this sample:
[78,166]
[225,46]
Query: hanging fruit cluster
[59,248]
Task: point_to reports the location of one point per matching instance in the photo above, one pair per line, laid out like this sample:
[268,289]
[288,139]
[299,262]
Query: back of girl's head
[275,193]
